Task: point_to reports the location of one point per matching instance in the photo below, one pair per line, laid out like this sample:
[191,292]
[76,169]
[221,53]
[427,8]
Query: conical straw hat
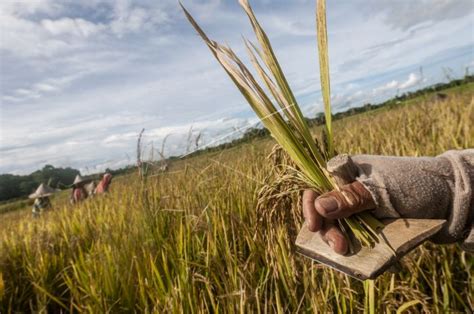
[42,191]
[79,179]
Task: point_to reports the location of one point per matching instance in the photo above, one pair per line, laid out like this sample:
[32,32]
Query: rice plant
[285,120]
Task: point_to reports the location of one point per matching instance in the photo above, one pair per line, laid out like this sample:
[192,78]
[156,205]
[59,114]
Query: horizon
[81,78]
[221,140]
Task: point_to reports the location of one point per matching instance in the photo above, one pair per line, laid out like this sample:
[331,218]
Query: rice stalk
[287,124]
[322,36]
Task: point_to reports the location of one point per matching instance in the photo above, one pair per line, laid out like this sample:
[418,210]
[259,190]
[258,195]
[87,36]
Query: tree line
[19,186]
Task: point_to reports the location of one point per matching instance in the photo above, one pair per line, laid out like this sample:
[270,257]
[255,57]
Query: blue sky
[79,80]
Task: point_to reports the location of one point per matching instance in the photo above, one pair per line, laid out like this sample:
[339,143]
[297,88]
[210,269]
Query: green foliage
[15,186]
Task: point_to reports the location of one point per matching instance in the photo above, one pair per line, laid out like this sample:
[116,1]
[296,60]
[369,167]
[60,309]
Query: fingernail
[331,244]
[329,204]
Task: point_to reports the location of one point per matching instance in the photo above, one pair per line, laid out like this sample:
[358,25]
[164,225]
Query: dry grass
[192,241]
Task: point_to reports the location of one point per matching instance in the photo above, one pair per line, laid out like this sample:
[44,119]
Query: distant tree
[15,186]
[27,187]
[8,183]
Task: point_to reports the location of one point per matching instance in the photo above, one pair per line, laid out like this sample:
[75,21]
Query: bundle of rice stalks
[279,197]
[284,119]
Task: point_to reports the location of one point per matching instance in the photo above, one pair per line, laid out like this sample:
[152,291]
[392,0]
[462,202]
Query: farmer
[42,202]
[103,186]
[90,189]
[79,192]
[439,187]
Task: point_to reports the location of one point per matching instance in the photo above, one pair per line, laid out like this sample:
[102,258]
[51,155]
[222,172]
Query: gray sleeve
[461,219]
[424,187]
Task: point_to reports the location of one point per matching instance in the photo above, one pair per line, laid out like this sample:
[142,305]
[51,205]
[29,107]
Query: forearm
[423,187]
[460,220]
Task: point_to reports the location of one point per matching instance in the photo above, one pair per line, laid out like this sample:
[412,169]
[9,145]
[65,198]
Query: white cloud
[43,87]
[357,96]
[25,8]
[24,35]
[406,14]
[47,86]
[130,19]
[23,92]
[412,81]
[346,98]
[387,87]
[69,26]
[12,99]
[296,28]
[24,38]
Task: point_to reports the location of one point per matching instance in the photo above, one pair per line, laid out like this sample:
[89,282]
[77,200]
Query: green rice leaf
[324,71]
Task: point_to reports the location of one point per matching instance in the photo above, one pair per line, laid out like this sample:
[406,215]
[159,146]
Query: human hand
[321,212]
[397,187]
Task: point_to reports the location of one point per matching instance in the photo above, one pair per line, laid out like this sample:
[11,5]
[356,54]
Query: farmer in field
[42,202]
[439,187]
[79,192]
[104,184]
[90,189]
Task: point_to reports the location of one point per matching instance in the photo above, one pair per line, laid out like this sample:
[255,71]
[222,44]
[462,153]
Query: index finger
[312,217]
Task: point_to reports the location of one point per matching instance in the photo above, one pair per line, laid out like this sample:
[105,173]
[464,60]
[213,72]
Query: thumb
[351,199]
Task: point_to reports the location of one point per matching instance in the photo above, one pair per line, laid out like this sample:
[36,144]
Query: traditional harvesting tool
[400,237]
[397,237]
[377,245]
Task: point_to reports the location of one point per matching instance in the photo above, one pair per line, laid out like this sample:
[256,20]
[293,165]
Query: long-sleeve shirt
[78,194]
[424,187]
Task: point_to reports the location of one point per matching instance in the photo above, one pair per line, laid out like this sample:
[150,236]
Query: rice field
[195,240]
